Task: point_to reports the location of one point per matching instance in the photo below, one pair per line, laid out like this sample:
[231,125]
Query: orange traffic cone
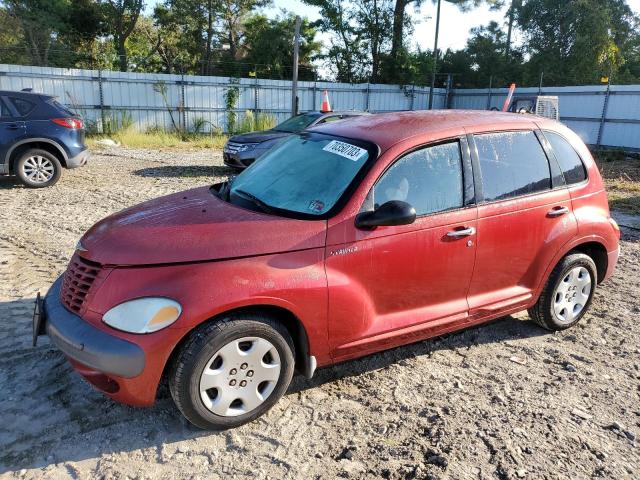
[326,106]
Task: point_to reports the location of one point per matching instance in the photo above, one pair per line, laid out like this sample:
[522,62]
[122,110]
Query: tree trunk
[398,26]
[122,55]
[207,54]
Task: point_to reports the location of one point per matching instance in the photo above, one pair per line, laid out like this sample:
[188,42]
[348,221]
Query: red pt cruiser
[342,241]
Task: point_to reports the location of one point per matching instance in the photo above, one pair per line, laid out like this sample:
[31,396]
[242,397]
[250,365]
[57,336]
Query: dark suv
[38,136]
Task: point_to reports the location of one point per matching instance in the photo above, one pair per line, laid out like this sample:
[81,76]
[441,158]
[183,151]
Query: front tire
[38,168]
[232,371]
[568,293]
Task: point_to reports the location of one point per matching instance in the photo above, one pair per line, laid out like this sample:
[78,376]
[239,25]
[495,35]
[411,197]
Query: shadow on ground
[48,410]
[185,171]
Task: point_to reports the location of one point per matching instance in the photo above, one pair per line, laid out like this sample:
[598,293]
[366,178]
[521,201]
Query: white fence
[101,94]
[602,115]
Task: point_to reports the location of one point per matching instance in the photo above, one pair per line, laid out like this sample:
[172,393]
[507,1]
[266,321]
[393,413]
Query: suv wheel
[232,371]
[38,168]
[567,294]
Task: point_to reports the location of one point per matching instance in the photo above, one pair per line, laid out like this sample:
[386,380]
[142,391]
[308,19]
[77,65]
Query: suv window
[512,164]
[570,163]
[429,179]
[4,110]
[23,106]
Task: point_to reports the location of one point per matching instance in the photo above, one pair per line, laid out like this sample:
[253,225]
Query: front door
[398,284]
[11,131]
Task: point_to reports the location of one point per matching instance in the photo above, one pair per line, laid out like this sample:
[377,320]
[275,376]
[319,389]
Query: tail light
[72,123]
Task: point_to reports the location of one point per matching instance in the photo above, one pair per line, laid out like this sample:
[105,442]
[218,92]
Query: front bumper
[85,344]
[79,160]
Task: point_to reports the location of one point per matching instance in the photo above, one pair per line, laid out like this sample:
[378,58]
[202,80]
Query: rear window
[512,164]
[569,160]
[24,107]
[63,108]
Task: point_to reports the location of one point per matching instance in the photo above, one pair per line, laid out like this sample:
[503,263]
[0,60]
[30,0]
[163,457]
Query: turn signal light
[72,123]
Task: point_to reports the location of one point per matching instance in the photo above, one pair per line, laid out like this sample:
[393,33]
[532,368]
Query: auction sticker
[345,150]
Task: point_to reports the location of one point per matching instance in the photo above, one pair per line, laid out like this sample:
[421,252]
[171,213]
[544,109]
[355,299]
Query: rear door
[524,217]
[12,130]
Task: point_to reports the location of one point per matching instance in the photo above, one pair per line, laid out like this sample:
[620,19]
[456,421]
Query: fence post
[315,89]
[603,117]
[183,104]
[490,92]
[540,85]
[101,98]
[413,95]
[367,98]
[255,93]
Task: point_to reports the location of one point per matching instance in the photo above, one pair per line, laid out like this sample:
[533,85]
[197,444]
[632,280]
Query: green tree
[268,46]
[577,41]
[121,17]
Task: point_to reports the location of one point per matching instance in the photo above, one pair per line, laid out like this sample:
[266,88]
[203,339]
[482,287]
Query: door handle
[13,126]
[461,233]
[557,211]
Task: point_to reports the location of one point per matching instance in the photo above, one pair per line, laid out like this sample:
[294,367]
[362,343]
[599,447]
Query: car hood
[194,225]
[259,137]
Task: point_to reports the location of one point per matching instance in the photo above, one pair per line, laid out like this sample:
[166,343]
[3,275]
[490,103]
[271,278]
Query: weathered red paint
[354,291]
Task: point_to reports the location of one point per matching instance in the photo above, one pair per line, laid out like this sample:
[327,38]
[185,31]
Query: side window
[23,107]
[4,110]
[570,163]
[330,119]
[429,179]
[512,164]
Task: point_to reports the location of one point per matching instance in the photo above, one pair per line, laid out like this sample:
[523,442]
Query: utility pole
[296,52]
[435,58]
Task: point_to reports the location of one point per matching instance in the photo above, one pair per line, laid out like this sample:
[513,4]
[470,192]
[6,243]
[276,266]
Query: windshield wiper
[255,200]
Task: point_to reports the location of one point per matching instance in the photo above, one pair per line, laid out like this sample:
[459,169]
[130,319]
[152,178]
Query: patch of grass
[161,139]
[621,174]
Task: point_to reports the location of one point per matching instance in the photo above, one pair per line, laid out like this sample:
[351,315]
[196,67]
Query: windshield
[297,123]
[305,174]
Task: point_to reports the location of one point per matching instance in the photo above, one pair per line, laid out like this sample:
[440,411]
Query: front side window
[429,179]
[4,110]
[570,163]
[305,174]
[512,164]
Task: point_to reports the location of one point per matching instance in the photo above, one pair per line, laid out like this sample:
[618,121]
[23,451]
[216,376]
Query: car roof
[387,129]
[26,94]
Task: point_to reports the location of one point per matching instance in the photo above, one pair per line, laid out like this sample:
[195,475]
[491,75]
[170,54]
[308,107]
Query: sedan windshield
[297,123]
[306,174]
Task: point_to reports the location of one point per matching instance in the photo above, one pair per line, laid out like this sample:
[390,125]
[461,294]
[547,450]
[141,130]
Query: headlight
[143,315]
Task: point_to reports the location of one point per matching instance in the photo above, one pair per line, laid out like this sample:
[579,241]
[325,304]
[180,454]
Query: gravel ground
[505,400]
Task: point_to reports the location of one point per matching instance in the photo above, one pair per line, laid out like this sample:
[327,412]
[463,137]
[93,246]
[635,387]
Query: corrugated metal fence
[102,94]
[603,115]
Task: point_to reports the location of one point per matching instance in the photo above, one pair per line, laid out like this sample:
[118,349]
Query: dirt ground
[504,400]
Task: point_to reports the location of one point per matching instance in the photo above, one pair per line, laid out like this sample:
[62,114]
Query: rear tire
[232,371]
[38,168]
[568,293]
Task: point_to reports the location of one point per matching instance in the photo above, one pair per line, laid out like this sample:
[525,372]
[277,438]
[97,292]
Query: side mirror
[394,212]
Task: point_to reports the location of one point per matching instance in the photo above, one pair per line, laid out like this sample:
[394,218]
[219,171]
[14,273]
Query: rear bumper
[79,160]
[612,261]
[85,344]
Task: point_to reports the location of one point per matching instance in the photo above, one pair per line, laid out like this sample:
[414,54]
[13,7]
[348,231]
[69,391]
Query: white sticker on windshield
[345,150]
